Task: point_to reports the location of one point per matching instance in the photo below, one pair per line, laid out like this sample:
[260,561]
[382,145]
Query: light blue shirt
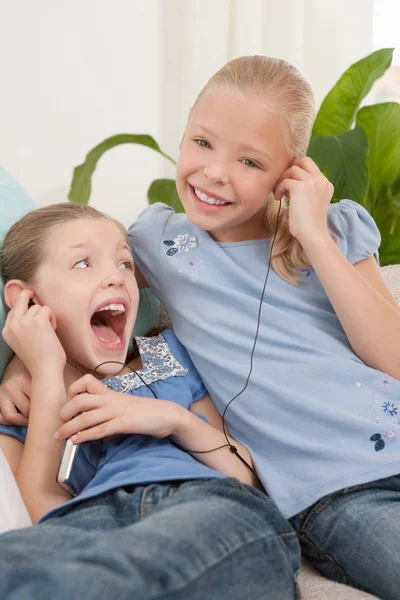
[142,459]
[314,417]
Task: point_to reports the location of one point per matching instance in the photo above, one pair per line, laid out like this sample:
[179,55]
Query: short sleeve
[355,231]
[14,431]
[192,379]
[144,237]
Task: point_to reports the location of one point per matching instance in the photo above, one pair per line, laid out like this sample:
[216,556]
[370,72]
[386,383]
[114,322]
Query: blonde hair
[23,247]
[290,97]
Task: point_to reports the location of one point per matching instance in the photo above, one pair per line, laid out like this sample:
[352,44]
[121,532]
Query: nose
[216,172]
[113,277]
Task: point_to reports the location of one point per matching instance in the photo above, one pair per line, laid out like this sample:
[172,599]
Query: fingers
[79,404]
[45,314]
[3,421]
[10,414]
[94,433]
[284,188]
[300,170]
[21,303]
[23,403]
[307,164]
[23,313]
[87,383]
[294,173]
[80,425]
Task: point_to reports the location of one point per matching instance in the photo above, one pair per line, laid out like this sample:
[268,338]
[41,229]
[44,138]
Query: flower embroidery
[185,242]
[379,443]
[182,243]
[389,408]
[158,364]
[390,434]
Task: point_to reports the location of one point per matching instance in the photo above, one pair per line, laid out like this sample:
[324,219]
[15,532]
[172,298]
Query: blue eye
[82,264]
[127,264]
[202,143]
[250,163]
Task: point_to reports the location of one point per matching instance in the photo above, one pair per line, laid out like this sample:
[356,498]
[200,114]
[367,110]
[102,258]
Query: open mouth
[108,324]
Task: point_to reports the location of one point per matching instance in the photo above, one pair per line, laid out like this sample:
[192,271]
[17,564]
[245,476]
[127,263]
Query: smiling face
[232,153]
[88,281]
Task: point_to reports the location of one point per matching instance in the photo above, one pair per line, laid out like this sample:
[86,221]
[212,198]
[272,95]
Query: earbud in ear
[285,202]
[31,303]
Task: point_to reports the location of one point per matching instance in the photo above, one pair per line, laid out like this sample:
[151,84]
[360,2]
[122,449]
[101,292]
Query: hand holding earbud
[30,332]
[310,193]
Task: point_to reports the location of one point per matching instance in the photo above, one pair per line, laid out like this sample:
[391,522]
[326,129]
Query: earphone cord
[232,448]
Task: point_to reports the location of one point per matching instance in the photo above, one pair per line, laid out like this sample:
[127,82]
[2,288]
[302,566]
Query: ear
[11,291]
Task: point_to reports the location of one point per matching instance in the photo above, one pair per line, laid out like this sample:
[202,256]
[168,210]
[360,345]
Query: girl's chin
[99,364]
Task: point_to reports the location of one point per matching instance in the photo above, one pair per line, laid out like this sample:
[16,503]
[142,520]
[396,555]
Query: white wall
[76,71]
[386,27]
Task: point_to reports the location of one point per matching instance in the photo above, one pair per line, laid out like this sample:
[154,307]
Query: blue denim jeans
[210,539]
[353,536]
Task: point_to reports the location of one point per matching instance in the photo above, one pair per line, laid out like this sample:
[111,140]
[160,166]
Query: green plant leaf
[81,185]
[164,190]
[343,160]
[381,123]
[395,189]
[386,215]
[389,252]
[338,110]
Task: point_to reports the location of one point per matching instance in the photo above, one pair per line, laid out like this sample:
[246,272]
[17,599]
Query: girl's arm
[30,332]
[200,436]
[366,309]
[94,412]
[37,469]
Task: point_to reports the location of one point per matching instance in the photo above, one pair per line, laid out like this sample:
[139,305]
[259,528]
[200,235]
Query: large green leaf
[164,190]
[389,252]
[343,160]
[386,215]
[81,185]
[381,123]
[338,110]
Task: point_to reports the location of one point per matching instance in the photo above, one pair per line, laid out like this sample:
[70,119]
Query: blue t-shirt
[142,459]
[314,417]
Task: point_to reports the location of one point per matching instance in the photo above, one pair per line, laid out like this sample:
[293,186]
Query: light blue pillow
[14,203]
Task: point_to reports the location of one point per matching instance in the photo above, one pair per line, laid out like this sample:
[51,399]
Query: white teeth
[209,199]
[116,308]
[117,341]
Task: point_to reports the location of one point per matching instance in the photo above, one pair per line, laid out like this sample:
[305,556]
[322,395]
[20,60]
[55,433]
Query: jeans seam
[315,512]
[165,595]
[235,483]
[306,533]
[326,556]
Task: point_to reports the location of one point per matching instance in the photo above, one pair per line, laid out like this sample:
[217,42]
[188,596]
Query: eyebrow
[245,147]
[121,245]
